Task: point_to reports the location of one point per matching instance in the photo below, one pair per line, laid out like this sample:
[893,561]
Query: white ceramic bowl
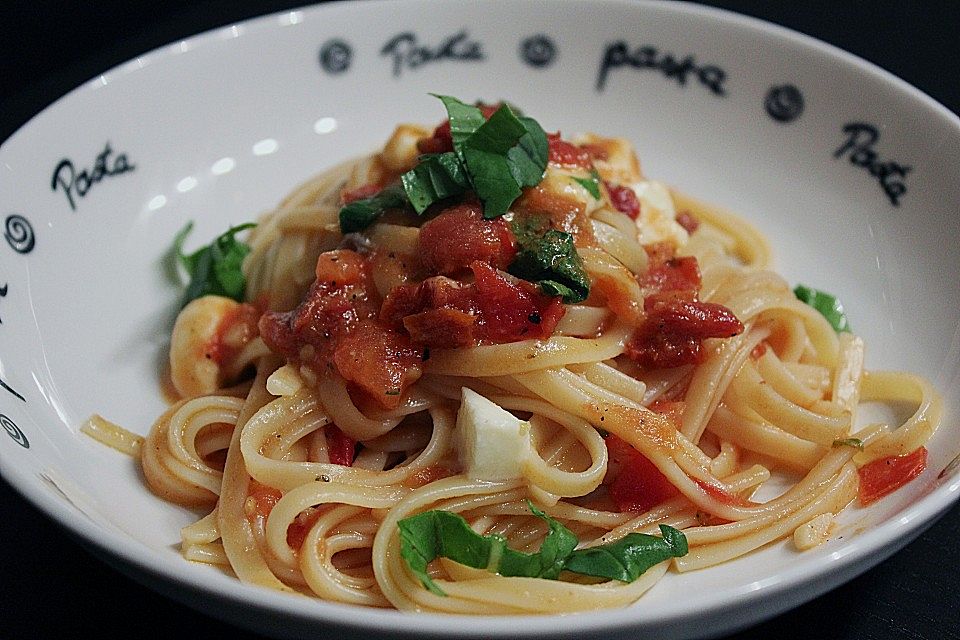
[811,144]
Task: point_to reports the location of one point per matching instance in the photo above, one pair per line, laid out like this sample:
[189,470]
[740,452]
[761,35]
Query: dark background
[50,587]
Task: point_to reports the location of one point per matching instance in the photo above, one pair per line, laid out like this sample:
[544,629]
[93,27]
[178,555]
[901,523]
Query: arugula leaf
[628,558]
[360,214]
[827,304]
[216,268]
[433,534]
[591,184]
[551,261]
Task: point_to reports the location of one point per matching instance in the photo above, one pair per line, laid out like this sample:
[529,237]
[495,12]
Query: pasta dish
[492,370]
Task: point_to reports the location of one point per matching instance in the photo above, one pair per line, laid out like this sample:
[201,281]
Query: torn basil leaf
[551,261]
[497,156]
[215,269]
[436,177]
[827,304]
[435,534]
[628,558]
[591,184]
[360,214]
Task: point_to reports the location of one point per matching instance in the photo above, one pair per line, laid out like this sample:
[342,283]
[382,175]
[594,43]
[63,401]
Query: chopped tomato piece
[341,448]
[460,235]
[624,199]
[301,525]
[359,193]
[687,220]
[673,274]
[886,475]
[443,328]
[566,153]
[673,333]
[638,485]
[380,361]
[512,310]
[264,498]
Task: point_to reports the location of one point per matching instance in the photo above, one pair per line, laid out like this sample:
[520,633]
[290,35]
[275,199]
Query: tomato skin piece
[341,448]
[624,200]
[885,475]
[638,485]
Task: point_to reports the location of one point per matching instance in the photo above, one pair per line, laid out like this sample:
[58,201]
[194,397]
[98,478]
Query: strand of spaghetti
[286,475]
[749,245]
[321,493]
[829,500]
[194,416]
[167,476]
[770,405]
[113,435]
[710,380]
[623,247]
[239,541]
[914,431]
[319,548]
[529,355]
[679,507]
[761,436]
[332,392]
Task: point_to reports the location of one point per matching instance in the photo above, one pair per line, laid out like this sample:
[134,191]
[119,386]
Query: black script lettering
[859,149]
[66,178]
[618,54]
[407,52]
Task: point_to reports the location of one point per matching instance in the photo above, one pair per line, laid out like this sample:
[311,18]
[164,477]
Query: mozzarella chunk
[493,442]
[657,221]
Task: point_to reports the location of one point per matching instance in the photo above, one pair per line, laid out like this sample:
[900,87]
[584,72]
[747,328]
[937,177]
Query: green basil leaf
[827,304]
[500,155]
[215,269]
[497,135]
[551,260]
[528,159]
[465,119]
[492,181]
[591,184]
[436,177]
[435,534]
[549,561]
[442,534]
[628,558]
[360,214]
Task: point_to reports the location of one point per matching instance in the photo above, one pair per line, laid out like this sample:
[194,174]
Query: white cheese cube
[658,216]
[493,442]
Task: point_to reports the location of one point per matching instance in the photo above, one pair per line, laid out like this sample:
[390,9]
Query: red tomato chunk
[624,199]
[336,322]
[638,485]
[460,235]
[886,475]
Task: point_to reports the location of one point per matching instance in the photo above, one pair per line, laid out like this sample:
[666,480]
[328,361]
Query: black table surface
[57,589]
